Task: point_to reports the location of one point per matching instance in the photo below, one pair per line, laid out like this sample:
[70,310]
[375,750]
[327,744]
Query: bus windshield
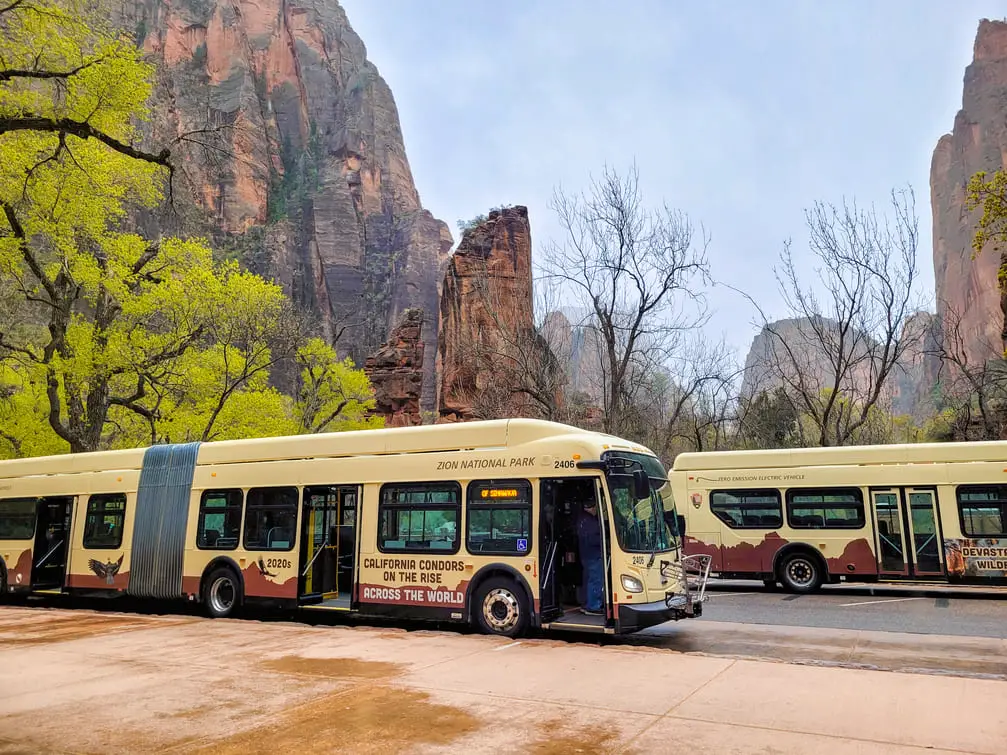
[640,524]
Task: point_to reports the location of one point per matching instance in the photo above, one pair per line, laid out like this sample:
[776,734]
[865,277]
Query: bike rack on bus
[697,573]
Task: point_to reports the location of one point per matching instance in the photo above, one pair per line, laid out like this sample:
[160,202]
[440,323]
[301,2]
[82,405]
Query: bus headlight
[631,584]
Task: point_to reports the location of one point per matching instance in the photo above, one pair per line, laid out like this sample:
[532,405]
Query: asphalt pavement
[917,631]
[942,612]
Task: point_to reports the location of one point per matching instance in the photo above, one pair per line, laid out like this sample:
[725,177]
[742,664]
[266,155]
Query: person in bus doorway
[589,542]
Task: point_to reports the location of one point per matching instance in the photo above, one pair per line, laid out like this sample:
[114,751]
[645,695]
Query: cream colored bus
[472,522]
[802,517]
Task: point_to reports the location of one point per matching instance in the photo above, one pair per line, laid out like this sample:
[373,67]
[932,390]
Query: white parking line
[504,647]
[711,593]
[872,602]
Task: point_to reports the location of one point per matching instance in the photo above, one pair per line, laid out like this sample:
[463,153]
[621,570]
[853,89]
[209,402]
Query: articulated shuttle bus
[473,522]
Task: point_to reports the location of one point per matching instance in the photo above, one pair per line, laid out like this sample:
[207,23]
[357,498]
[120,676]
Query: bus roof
[896,453]
[461,436]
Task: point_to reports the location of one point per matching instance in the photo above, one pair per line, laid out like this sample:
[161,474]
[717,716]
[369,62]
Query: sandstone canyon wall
[770,364]
[576,342]
[297,159]
[396,372]
[967,289]
[909,389]
[486,316]
[914,380]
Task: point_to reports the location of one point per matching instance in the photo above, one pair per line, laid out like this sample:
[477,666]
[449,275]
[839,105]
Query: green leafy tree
[250,327]
[332,395]
[148,329]
[111,338]
[70,92]
[193,412]
[878,426]
[464,226]
[990,193]
[71,85]
[770,420]
[24,427]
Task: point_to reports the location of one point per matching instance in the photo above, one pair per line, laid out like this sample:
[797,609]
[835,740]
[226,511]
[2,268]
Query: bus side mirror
[681,525]
[641,484]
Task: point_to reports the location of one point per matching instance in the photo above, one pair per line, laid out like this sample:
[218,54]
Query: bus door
[52,542]
[908,533]
[550,550]
[328,543]
[561,564]
[346,541]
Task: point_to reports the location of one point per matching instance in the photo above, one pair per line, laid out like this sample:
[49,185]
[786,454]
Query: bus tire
[501,608]
[3,581]
[801,572]
[222,593]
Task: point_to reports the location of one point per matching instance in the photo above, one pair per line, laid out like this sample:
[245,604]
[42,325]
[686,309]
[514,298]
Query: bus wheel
[801,573]
[501,607]
[222,593]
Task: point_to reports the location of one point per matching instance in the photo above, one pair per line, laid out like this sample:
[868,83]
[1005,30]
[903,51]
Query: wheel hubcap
[801,572]
[501,610]
[222,595]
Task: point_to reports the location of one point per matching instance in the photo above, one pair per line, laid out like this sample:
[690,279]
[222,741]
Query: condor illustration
[107,570]
[262,569]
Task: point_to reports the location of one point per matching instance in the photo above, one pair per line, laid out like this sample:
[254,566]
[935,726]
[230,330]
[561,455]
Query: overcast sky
[739,113]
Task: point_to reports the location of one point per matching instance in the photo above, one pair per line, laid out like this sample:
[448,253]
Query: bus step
[341,603]
[576,621]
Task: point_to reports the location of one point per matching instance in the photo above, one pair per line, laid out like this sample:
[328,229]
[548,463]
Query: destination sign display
[499,493]
[509,491]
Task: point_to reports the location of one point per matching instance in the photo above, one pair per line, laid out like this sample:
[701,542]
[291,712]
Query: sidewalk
[93,682]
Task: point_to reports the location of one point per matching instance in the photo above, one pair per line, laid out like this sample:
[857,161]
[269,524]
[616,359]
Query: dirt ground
[87,682]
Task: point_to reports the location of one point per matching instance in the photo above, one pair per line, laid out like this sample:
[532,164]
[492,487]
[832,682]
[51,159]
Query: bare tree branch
[635,272]
[974,389]
[836,355]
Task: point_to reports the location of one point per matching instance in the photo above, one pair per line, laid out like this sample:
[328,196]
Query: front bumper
[633,618]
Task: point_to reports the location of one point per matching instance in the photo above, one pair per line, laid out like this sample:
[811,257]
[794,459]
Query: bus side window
[825,508]
[748,509]
[103,525]
[271,518]
[416,517]
[983,510]
[498,517]
[219,519]
[17,519]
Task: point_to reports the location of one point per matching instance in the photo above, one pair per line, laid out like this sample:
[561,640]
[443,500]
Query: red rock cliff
[486,314]
[299,159]
[396,372]
[965,286]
